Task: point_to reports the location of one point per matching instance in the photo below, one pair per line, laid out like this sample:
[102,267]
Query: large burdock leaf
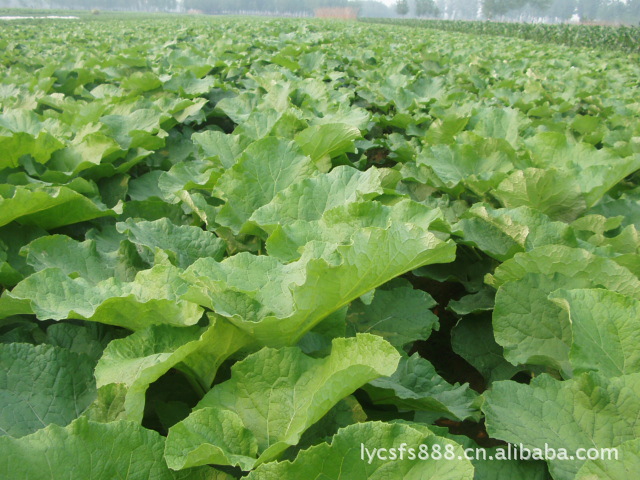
[570,178]
[480,166]
[90,451]
[321,256]
[107,255]
[211,436]
[184,243]
[499,123]
[373,451]
[85,153]
[141,358]
[533,329]
[13,266]
[226,148]
[40,385]
[555,193]
[416,385]
[47,207]
[472,338]
[324,142]
[137,128]
[310,198]
[595,170]
[605,328]
[494,463]
[341,224]
[400,315]
[151,299]
[625,466]
[551,259]
[585,412]
[76,259]
[501,233]
[265,168]
[22,133]
[273,396]
[277,303]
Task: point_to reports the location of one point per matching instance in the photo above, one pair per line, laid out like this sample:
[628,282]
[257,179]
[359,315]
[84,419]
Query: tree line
[204,6]
[626,11]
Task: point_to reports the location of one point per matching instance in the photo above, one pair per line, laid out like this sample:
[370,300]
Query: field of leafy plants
[602,37]
[275,248]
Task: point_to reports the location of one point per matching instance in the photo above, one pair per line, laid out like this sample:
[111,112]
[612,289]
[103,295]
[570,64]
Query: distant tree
[588,9]
[426,8]
[459,9]
[374,9]
[562,9]
[402,7]
[633,10]
[494,8]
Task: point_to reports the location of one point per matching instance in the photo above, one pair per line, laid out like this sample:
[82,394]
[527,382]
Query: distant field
[622,37]
[299,249]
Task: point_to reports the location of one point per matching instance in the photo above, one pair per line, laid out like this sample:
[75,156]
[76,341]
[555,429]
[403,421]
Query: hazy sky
[388,2]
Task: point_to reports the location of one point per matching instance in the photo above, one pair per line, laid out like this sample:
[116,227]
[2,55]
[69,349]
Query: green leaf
[279,302]
[472,338]
[13,266]
[502,123]
[329,140]
[309,199]
[531,328]
[415,385]
[343,223]
[482,301]
[211,436]
[89,339]
[219,342]
[138,128]
[444,130]
[175,184]
[552,259]
[622,468]
[594,170]
[265,168]
[76,259]
[605,330]
[47,207]
[346,412]
[588,411]
[188,85]
[184,243]
[22,133]
[226,148]
[40,385]
[400,315]
[151,299]
[501,233]
[356,453]
[273,396]
[480,165]
[495,463]
[109,404]
[97,451]
[85,153]
[141,358]
[141,82]
[553,192]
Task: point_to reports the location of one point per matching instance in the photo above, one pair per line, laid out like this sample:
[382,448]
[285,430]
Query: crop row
[623,38]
